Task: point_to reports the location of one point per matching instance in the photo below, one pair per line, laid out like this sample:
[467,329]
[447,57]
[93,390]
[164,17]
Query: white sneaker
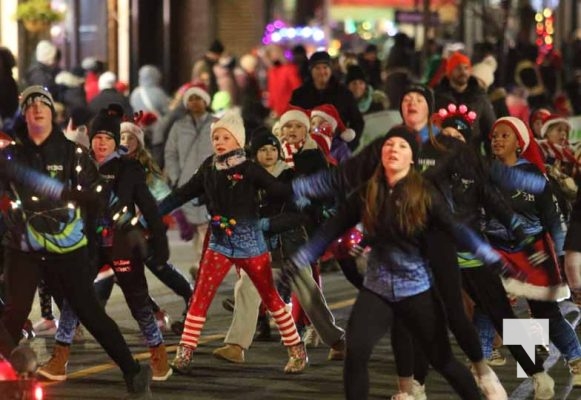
[491,387]
[418,391]
[44,325]
[544,386]
[311,338]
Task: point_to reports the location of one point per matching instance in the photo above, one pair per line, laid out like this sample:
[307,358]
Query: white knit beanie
[130,127]
[45,52]
[233,123]
[107,80]
[484,70]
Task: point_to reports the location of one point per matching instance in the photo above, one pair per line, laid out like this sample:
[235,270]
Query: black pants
[69,276]
[486,290]
[173,279]
[424,317]
[441,252]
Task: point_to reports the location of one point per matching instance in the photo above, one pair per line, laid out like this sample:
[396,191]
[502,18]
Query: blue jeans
[561,332]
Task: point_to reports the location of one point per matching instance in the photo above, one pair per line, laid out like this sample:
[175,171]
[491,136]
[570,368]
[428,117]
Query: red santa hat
[295,114]
[528,145]
[552,119]
[198,90]
[330,114]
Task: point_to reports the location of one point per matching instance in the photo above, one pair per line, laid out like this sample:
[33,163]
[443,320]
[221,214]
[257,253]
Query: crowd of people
[459,200]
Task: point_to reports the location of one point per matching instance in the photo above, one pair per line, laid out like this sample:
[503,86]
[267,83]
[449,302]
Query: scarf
[558,152]
[289,150]
[230,159]
[365,102]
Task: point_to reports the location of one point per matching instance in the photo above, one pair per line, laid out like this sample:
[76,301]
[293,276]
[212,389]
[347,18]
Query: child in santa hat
[562,164]
[513,144]
[333,142]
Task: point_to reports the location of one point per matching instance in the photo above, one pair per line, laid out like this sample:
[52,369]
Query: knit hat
[216,47]
[330,114]
[354,73]
[198,90]
[130,127]
[264,139]
[107,80]
[33,93]
[484,70]
[319,57]
[425,91]
[295,114]
[233,123]
[108,121]
[408,135]
[458,117]
[45,52]
[528,145]
[539,114]
[456,59]
[550,120]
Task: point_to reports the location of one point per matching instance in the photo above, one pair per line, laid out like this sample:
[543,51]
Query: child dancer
[229,183]
[132,137]
[398,208]
[118,245]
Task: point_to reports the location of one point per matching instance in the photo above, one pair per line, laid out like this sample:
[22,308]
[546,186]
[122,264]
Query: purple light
[270,28]
[278,24]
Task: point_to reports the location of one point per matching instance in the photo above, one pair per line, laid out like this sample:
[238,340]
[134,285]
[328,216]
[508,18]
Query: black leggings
[486,290]
[423,315]
[409,359]
[69,276]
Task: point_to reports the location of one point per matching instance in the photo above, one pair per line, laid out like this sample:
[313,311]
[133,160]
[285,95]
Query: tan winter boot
[230,352]
[159,364]
[297,359]
[575,369]
[544,386]
[56,368]
[184,360]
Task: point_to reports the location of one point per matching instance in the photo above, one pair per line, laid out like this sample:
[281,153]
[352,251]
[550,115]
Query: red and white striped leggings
[213,268]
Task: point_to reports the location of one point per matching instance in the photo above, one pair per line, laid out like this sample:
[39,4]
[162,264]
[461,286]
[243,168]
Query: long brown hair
[405,210]
[145,158]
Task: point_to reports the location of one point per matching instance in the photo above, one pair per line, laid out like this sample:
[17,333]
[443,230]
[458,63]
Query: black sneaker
[138,383]
[228,305]
[263,333]
[177,327]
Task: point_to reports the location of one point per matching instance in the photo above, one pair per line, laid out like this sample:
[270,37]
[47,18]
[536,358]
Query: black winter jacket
[308,97]
[475,99]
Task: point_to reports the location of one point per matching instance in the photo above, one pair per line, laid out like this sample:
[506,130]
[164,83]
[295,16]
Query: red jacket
[282,80]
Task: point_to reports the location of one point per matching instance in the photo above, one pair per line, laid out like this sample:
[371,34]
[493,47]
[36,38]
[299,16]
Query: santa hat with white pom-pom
[330,114]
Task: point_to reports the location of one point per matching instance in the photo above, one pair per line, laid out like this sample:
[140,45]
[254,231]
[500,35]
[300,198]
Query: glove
[301,202]
[264,224]
[505,269]
[186,229]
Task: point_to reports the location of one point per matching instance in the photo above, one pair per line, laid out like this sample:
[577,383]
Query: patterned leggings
[213,268]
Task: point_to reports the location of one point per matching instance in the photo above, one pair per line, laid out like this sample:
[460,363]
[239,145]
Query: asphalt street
[93,376]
